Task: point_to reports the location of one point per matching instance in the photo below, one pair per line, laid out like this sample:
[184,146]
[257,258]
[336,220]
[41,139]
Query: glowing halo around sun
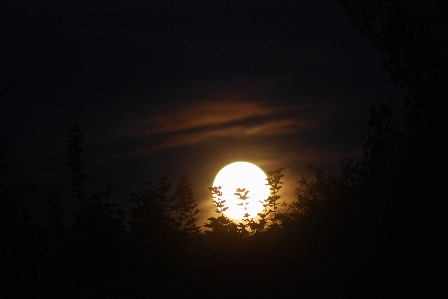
[242,175]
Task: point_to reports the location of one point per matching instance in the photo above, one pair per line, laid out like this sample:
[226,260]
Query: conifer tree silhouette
[97,217]
[74,142]
[151,216]
[185,207]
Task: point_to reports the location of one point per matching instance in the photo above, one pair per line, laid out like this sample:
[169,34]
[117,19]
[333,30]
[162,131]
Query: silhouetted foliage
[76,163]
[372,229]
[242,196]
[184,207]
[384,143]
[270,218]
[414,36]
[54,214]
[272,203]
[163,230]
[321,193]
[16,233]
[86,260]
[102,219]
[98,219]
[221,226]
[151,215]
[400,179]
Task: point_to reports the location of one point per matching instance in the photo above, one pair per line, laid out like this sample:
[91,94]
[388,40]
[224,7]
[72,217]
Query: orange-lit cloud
[202,114]
[243,107]
[203,120]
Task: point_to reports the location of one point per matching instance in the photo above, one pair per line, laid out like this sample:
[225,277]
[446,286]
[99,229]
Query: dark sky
[182,88]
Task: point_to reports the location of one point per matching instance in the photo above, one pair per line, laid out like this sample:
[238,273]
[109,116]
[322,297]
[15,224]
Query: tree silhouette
[318,197]
[103,221]
[221,226]
[406,184]
[98,219]
[184,207]
[16,234]
[272,202]
[54,214]
[270,218]
[157,250]
[74,142]
[413,34]
[91,252]
[242,195]
[151,216]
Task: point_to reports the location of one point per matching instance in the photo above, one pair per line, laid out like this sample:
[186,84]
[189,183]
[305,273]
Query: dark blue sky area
[182,88]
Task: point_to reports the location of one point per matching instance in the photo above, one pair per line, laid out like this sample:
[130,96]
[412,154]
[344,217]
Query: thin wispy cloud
[201,114]
[232,117]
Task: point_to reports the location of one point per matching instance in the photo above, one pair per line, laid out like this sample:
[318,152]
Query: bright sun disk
[242,175]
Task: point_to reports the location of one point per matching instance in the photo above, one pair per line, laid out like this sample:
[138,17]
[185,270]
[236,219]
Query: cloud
[199,121]
[240,108]
[201,114]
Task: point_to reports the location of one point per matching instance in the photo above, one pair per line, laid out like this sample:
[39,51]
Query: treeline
[357,231]
[374,229]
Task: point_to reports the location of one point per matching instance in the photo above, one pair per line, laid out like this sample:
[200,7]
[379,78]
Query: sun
[242,175]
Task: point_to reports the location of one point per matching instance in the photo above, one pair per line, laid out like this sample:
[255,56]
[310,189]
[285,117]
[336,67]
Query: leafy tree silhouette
[405,184]
[241,194]
[320,226]
[221,226]
[274,215]
[413,35]
[157,245]
[270,218]
[312,198]
[384,143]
[223,255]
[189,242]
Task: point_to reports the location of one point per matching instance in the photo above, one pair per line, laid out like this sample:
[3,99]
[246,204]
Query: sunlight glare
[242,175]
